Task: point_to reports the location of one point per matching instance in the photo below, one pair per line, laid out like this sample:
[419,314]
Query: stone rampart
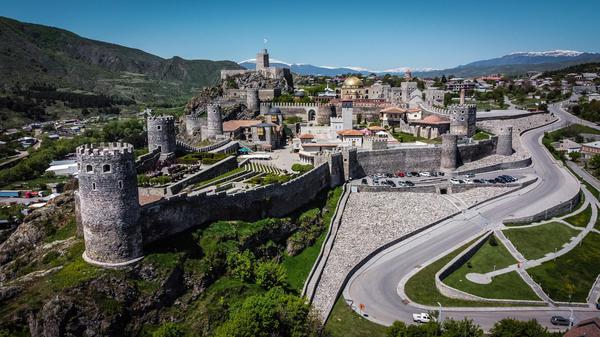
[562,208]
[181,212]
[210,172]
[148,161]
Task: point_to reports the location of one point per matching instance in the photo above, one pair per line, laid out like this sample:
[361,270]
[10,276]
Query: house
[569,146]
[351,137]
[588,328]
[588,150]
[594,96]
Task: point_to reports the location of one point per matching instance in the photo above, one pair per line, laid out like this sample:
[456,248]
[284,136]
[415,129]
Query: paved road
[376,285]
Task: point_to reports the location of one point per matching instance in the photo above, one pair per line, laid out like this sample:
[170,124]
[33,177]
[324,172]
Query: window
[94,186]
[89,168]
[158,127]
[106,168]
[120,184]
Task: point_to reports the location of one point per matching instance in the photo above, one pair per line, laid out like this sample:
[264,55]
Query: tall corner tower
[214,122]
[449,156]
[347,112]
[109,208]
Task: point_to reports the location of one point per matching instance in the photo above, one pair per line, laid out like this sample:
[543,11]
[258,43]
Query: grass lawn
[298,267]
[597,225]
[481,135]
[36,183]
[581,219]
[535,242]
[505,286]
[408,138]
[344,322]
[573,273]
[208,182]
[421,287]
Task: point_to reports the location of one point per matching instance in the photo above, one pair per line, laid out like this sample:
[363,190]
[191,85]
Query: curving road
[376,284]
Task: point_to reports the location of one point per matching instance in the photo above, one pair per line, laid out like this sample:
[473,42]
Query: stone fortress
[116,226]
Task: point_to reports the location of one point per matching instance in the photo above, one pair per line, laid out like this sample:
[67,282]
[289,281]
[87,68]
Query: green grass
[535,242]
[573,273]
[64,232]
[36,183]
[597,225]
[344,322]
[581,219]
[298,267]
[505,286]
[408,138]
[481,135]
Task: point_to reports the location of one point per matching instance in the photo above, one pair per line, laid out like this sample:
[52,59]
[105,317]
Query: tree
[240,265]
[397,329]
[509,327]
[168,330]
[270,274]
[274,313]
[466,327]
[594,164]
[575,156]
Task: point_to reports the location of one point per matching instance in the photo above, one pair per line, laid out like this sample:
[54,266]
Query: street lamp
[440,314]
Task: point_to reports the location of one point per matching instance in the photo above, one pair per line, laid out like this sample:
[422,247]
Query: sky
[372,34]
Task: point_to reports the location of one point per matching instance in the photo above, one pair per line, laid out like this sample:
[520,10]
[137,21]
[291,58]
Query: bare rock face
[254,80]
[199,102]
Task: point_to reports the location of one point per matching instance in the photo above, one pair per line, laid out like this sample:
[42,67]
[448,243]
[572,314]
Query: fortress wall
[476,151]
[560,209]
[403,159]
[181,212]
[215,170]
[147,161]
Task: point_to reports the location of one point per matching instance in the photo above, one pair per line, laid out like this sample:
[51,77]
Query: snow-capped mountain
[518,62]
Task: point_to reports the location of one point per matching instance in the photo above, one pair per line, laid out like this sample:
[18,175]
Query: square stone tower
[262,60]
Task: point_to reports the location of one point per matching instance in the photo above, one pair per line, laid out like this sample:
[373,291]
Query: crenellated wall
[181,212]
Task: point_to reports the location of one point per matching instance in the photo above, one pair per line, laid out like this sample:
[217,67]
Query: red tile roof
[233,125]
[350,133]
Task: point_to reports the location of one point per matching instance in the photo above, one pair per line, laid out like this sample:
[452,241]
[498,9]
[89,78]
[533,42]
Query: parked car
[400,174]
[441,174]
[391,183]
[415,174]
[409,183]
[469,175]
[454,181]
[559,320]
[425,174]
[468,181]
[364,181]
[421,318]
[434,174]
[402,184]
[478,181]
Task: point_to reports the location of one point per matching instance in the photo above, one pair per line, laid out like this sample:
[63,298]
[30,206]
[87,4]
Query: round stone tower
[161,134]
[324,112]
[193,125]
[504,145]
[214,123]
[108,204]
[449,152]
[252,100]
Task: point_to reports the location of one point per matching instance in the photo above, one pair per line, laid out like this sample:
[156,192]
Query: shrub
[240,265]
[168,330]
[302,168]
[270,274]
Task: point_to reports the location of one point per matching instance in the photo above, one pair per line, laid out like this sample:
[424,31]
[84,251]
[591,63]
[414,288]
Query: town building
[588,150]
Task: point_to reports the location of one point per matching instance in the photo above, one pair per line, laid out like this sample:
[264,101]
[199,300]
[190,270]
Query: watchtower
[262,60]
[449,157]
[108,204]
[214,122]
[252,100]
[504,145]
[193,124]
[161,135]
[463,119]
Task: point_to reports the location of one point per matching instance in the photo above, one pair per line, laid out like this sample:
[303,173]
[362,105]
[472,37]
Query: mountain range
[511,64]
[31,53]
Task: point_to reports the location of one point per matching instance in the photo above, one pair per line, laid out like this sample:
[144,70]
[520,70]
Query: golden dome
[352,82]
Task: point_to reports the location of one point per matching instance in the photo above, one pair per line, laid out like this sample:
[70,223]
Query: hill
[37,54]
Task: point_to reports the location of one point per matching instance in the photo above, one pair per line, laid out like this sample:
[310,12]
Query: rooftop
[434,119]
[593,144]
[233,125]
[350,133]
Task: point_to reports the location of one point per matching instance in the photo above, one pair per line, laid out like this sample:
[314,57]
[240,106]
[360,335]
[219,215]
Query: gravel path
[372,219]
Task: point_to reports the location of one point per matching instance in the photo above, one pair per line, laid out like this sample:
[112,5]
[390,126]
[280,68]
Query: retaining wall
[562,208]
[181,212]
[210,172]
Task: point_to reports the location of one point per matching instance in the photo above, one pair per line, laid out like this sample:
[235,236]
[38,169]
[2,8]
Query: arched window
[106,168]
[120,184]
[89,168]
[158,127]
[94,186]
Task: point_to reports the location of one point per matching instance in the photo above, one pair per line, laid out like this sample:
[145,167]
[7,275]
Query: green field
[581,219]
[535,242]
[344,322]
[573,273]
[408,138]
[505,286]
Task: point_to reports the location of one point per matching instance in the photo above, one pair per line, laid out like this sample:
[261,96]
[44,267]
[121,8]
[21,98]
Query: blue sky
[371,34]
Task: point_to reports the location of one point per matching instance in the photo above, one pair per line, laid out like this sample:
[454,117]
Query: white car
[454,181]
[421,318]
[468,181]
[425,174]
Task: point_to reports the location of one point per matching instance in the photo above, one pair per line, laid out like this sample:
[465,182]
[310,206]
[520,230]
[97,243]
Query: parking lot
[409,179]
